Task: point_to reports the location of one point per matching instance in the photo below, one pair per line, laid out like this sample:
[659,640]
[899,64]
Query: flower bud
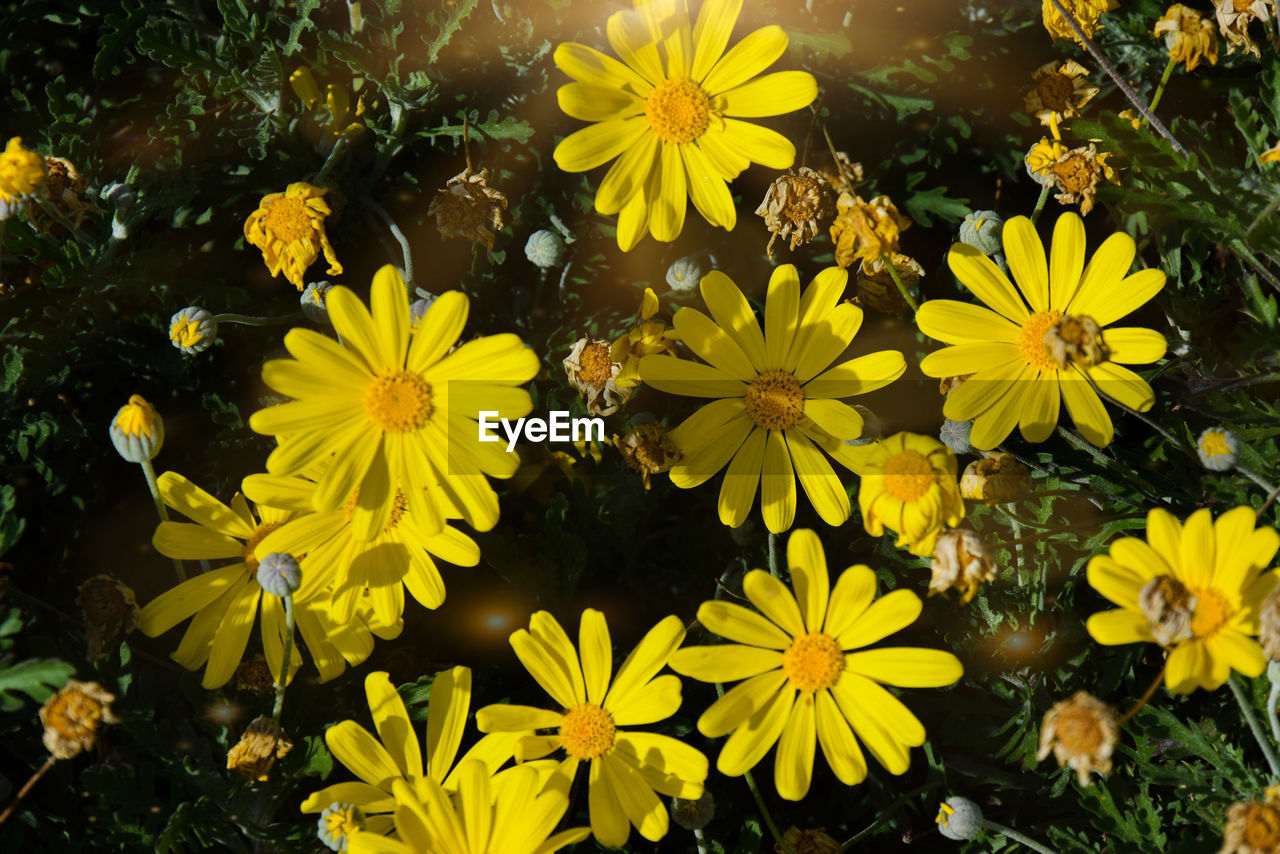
[684,274]
[278,574]
[872,427]
[137,431]
[545,249]
[314,307]
[418,309]
[337,824]
[1218,449]
[693,814]
[981,230]
[959,819]
[955,435]
[193,330]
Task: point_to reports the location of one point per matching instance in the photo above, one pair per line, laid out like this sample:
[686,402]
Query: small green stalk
[1044,197]
[773,555]
[150,473]
[1164,79]
[405,251]
[897,280]
[335,155]
[1251,718]
[248,320]
[764,811]
[1016,836]
[284,662]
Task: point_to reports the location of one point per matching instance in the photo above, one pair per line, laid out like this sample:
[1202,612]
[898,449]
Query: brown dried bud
[1082,733]
[468,207]
[73,716]
[995,479]
[254,675]
[261,745]
[844,175]
[1169,607]
[809,841]
[1076,339]
[878,290]
[648,450]
[1253,827]
[796,206]
[109,610]
[593,372]
[960,562]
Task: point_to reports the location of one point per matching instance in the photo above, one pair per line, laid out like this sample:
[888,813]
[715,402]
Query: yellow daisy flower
[626,768]
[1271,155]
[398,558]
[289,229]
[777,394]
[395,754]
[22,171]
[516,818]
[803,686]
[396,407]
[1195,588]
[224,601]
[671,113]
[1026,360]
[908,483]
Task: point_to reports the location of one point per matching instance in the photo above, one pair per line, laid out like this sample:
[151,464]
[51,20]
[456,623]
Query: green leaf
[35,677]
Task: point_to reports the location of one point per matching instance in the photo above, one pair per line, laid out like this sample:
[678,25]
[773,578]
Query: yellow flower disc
[587,731]
[678,110]
[775,400]
[1031,339]
[399,402]
[813,662]
[908,475]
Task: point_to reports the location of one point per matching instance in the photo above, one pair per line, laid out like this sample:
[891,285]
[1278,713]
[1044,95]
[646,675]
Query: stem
[1125,88]
[1266,212]
[1142,701]
[1082,444]
[831,146]
[773,555]
[698,838]
[1164,79]
[1256,478]
[400,238]
[247,320]
[284,663]
[996,827]
[27,787]
[150,474]
[335,154]
[1150,422]
[1251,718]
[897,280]
[1044,197]
[764,811]
[1270,498]
[1272,719]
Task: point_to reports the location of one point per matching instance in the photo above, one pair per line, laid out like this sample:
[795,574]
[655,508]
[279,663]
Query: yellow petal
[724,662]
[738,490]
[752,55]
[1066,260]
[821,484]
[774,600]
[447,710]
[980,275]
[906,667]
[597,654]
[777,485]
[771,95]
[963,323]
[838,744]
[793,763]
[890,613]
[740,703]
[753,738]
[734,315]
[1135,345]
[1025,254]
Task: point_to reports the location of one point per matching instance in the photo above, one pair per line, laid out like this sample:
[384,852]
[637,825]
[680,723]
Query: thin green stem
[1266,212]
[400,238]
[248,320]
[701,841]
[335,155]
[150,474]
[1251,718]
[1044,197]
[773,555]
[764,811]
[1267,504]
[1150,422]
[897,280]
[1272,696]
[284,662]
[1164,79]
[1016,836]
[1256,478]
[885,815]
[1143,700]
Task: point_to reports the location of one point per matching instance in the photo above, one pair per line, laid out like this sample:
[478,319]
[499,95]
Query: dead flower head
[844,175]
[468,207]
[1234,17]
[109,610]
[1253,827]
[1087,13]
[1061,91]
[995,479]
[73,717]
[1081,733]
[1075,174]
[866,230]
[254,675]
[1188,36]
[876,287]
[796,206]
[593,372]
[1076,339]
[261,745]
[816,841]
[960,562]
[1169,608]
[648,450]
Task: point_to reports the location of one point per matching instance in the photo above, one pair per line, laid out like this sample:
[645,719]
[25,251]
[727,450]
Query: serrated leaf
[35,677]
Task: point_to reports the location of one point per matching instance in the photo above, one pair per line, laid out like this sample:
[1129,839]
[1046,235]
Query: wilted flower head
[1188,36]
[684,274]
[254,675]
[959,819]
[648,450]
[1075,173]
[193,330]
[1269,633]
[878,290]
[995,479]
[289,229]
[593,372]
[1085,12]
[1042,156]
[65,186]
[1081,732]
[137,430]
[312,300]
[960,562]
[1234,17]
[109,610]
[815,841]
[650,337]
[22,171]
[1218,449]
[1061,91]
[909,486]
[337,823]
[468,207]
[1253,827]
[844,175]
[545,249]
[1076,340]
[261,745]
[693,813]
[981,230]
[73,717]
[796,206]
[866,230]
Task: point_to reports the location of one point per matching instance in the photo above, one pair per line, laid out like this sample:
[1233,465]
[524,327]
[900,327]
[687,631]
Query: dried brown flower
[960,562]
[1234,17]
[796,206]
[878,290]
[815,841]
[261,745]
[1082,733]
[1076,339]
[995,479]
[593,372]
[109,610]
[648,450]
[1169,608]
[73,717]
[468,207]
[1253,827]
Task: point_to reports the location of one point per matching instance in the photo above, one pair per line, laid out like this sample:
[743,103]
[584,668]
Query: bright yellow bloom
[225,600]
[1085,12]
[1042,156]
[515,818]
[1012,351]
[1188,36]
[289,229]
[1271,155]
[22,171]
[778,398]
[1195,588]
[671,113]
[376,571]
[337,103]
[1061,92]
[803,686]
[908,483]
[396,408]
[626,767]
[395,754]
[649,338]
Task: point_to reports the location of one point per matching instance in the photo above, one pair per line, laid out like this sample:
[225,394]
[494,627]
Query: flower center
[340,821]
[75,715]
[399,506]
[288,220]
[908,475]
[775,400]
[596,365]
[1056,91]
[813,662]
[1211,614]
[1262,821]
[251,545]
[1215,443]
[399,402]
[1031,339]
[587,731]
[186,332]
[678,110]
[1075,173]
